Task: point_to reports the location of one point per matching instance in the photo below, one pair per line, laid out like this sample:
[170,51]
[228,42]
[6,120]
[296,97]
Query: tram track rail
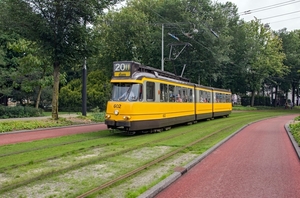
[95,160]
[72,167]
[141,168]
[63,144]
[75,166]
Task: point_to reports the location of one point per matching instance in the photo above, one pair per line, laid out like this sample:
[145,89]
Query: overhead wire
[284,20]
[280,15]
[268,7]
[273,6]
[177,26]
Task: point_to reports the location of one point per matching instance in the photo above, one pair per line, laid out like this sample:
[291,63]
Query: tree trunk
[293,93]
[252,98]
[38,99]
[276,101]
[55,91]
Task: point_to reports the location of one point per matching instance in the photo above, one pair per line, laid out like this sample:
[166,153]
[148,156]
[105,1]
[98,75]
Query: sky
[278,14]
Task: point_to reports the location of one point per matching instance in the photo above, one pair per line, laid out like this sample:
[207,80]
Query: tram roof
[138,70]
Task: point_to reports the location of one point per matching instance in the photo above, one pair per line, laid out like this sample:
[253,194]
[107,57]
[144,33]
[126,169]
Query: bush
[258,101]
[19,112]
[295,130]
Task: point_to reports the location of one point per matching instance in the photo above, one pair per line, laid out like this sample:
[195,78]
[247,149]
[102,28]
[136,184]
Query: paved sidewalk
[258,161]
[38,134]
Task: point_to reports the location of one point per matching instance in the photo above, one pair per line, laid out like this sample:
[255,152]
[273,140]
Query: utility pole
[84,94]
[84,79]
[162,47]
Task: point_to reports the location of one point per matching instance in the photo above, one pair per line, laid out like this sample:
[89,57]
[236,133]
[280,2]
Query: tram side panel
[159,107]
[222,105]
[136,116]
[203,98]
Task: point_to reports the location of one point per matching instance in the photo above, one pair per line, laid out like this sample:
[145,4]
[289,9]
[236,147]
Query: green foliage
[243,57]
[98,91]
[297,118]
[58,26]
[258,101]
[98,117]
[19,112]
[295,130]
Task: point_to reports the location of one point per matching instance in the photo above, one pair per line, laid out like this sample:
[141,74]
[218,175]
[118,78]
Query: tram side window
[209,97]
[190,95]
[228,98]
[204,96]
[224,98]
[164,93]
[171,93]
[186,95]
[220,97]
[217,97]
[150,91]
[178,94]
[201,99]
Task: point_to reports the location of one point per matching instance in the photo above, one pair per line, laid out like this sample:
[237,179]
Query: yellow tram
[148,99]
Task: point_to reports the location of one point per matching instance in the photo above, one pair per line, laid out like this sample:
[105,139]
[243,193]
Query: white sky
[262,9]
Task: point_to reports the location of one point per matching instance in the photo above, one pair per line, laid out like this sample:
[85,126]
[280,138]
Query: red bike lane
[259,161]
[17,137]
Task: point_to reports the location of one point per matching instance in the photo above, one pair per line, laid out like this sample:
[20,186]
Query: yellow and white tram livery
[148,99]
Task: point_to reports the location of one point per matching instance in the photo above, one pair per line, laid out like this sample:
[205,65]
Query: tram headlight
[116,112]
[126,117]
[107,116]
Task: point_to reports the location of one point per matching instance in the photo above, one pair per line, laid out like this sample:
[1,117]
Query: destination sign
[122,69]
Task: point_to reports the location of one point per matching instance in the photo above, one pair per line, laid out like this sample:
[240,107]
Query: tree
[264,56]
[135,33]
[291,48]
[8,65]
[34,70]
[57,25]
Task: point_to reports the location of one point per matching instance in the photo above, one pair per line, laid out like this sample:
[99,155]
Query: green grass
[76,148]
[295,129]
[15,125]
[49,113]
[7,126]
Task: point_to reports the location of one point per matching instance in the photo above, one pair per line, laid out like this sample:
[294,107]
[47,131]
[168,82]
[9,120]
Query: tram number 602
[117,106]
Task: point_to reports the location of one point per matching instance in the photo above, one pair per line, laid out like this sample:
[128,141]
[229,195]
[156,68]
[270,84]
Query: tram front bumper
[113,123]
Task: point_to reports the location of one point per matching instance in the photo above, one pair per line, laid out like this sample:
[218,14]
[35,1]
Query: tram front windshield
[126,91]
